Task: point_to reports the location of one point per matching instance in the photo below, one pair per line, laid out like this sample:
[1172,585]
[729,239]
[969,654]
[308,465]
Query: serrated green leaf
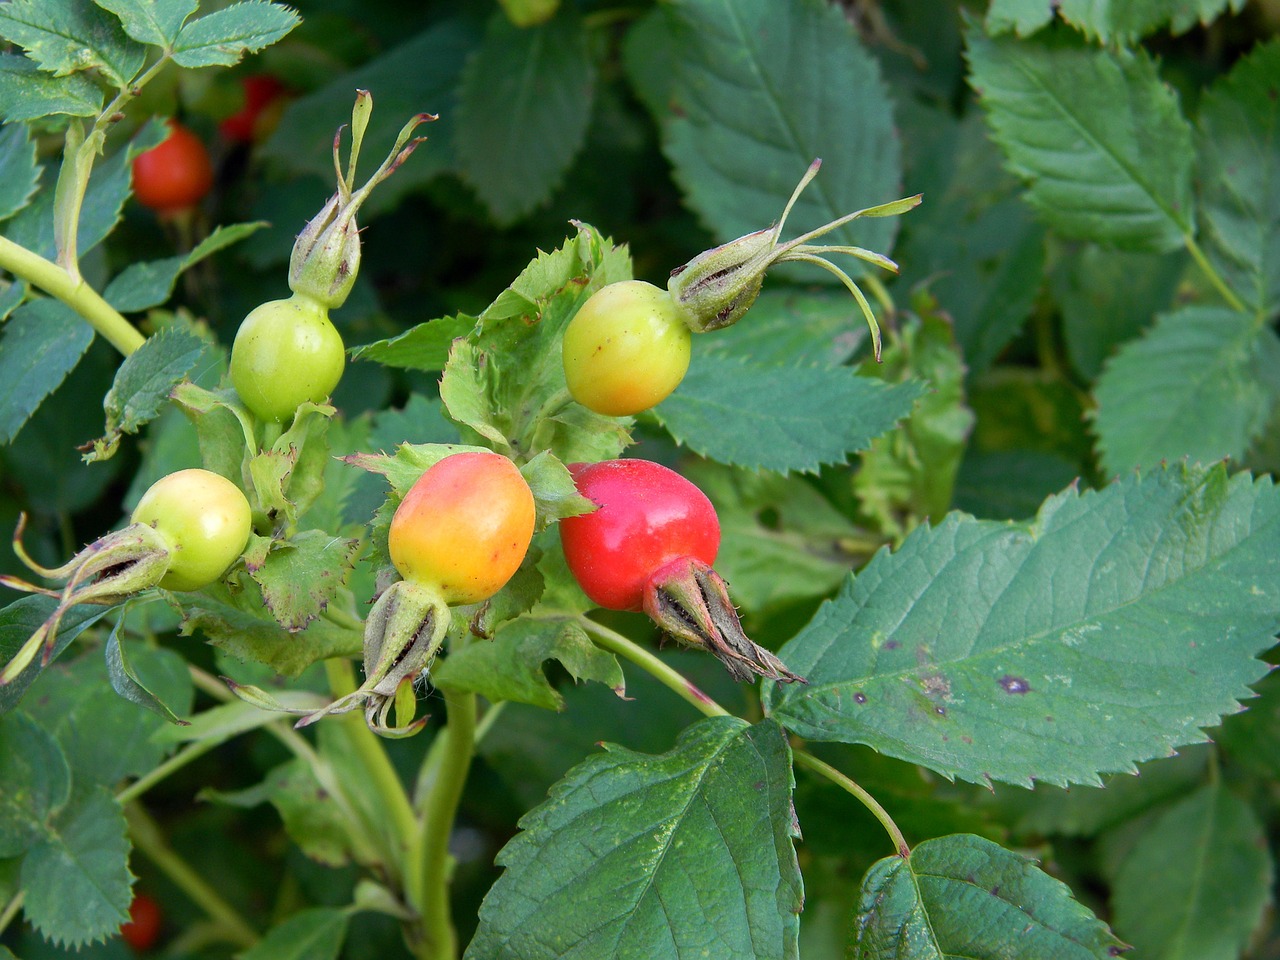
[301,575]
[1024,17]
[22,618]
[87,714]
[223,426]
[238,623]
[506,383]
[77,879]
[519,84]
[37,782]
[780,418]
[1196,885]
[1201,384]
[759,91]
[18,171]
[316,933]
[419,75]
[907,477]
[554,493]
[509,666]
[674,856]
[147,284]
[964,896]
[312,818]
[140,391]
[157,22]
[1109,630]
[1097,135]
[1122,22]
[70,36]
[223,37]
[779,536]
[43,341]
[28,93]
[1239,154]
[1108,296]
[980,248]
[422,347]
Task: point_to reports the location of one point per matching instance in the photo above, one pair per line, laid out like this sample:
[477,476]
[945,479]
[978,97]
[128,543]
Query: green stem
[176,762]
[431,893]
[400,824]
[11,909]
[806,759]
[147,838]
[76,294]
[669,677]
[1215,278]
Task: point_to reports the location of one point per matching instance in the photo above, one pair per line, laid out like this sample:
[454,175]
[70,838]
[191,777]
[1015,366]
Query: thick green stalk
[431,896]
[1215,278]
[75,293]
[806,759]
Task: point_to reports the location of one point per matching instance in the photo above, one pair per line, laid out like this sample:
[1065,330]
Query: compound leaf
[1109,630]
[157,22]
[1097,135]
[687,854]
[28,93]
[69,36]
[964,896]
[1201,384]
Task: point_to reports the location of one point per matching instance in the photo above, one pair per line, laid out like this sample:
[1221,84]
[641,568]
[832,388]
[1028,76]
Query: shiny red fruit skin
[649,516]
[175,175]
[143,929]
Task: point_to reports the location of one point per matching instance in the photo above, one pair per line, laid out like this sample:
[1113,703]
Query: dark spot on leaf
[892,645]
[1012,684]
[859,697]
[940,711]
[995,891]
[1271,93]
[967,739]
[758,785]
[1048,719]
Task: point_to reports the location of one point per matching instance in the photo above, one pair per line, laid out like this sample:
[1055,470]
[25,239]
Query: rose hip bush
[684,479]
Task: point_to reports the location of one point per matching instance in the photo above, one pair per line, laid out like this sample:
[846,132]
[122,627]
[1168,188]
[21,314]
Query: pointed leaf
[28,93]
[509,666]
[422,347]
[518,85]
[688,854]
[1097,135]
[1127,21]
[1201,384]
[1197,884]
[729,411]
[301,575]
[68,36]
[18,171]
[43,341]
[151,21]
[1240,177]
[77,880]
[963,896]
[125,682]
[760,90]
[1109,630]
[221,38]
[22,618]
[140,391]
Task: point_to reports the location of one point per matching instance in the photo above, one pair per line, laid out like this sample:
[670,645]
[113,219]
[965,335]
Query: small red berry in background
[261,91]
[175,175]
[143,929]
